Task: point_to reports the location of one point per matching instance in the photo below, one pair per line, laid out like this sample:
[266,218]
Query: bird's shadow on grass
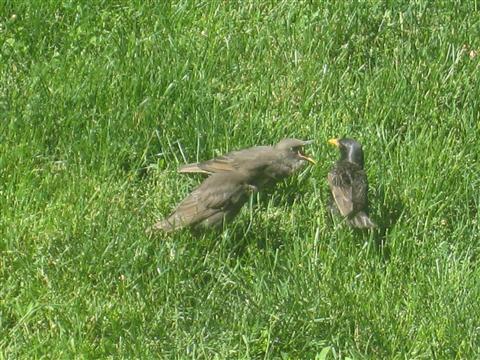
[292,190]
[234,237]
[254,234]
[386,217]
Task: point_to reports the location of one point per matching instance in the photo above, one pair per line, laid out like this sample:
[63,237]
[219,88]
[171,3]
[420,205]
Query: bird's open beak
[309,159]
[334,142]
[305,157]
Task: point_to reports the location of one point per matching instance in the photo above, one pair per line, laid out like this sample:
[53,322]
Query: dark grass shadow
[254,233]
[235,236]
[284,193]
[385,218]
[245,232]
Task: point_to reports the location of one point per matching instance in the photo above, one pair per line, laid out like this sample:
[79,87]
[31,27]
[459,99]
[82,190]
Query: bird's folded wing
[192,168]
[233,161]
[217,165]
[342,193]
[359,195]
[207,199]
[192,210]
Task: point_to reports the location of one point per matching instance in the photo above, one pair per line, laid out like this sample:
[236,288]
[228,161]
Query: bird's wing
[217,165]
[191,210]
[360,190]
[193,169]
[214,195]
[232,161]
[341,187]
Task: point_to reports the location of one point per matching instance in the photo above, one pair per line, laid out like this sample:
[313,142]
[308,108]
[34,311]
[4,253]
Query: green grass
[101,102]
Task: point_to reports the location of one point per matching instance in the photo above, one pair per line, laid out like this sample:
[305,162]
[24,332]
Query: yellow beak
[307,158]
[334,142]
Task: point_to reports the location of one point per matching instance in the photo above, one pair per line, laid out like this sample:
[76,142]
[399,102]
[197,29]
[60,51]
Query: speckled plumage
[349,185]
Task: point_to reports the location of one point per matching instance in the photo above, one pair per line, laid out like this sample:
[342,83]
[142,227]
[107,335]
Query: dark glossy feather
[349,185]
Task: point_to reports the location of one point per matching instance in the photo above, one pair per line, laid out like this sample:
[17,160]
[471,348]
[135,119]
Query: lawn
[101,101]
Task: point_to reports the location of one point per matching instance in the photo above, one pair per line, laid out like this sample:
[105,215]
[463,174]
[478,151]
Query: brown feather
[265,165]
[219,197]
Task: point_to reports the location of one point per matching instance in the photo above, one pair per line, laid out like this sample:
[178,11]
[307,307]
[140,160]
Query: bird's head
[350,150]
[294,148]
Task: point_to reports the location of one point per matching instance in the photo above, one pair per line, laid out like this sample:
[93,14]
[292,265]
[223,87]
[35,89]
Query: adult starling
[264,165]
[218,199]
[349,185]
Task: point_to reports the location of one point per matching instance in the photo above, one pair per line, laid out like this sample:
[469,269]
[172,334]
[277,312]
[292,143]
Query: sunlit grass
[101,103]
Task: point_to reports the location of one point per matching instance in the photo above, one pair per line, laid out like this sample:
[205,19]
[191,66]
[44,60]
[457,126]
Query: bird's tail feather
[362,221]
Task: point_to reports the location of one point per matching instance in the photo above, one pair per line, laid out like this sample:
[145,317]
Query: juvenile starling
[349,185]
[218,199]
[264,165]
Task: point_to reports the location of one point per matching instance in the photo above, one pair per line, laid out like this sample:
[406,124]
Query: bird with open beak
[231,179]
[265,165]
[349,185]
